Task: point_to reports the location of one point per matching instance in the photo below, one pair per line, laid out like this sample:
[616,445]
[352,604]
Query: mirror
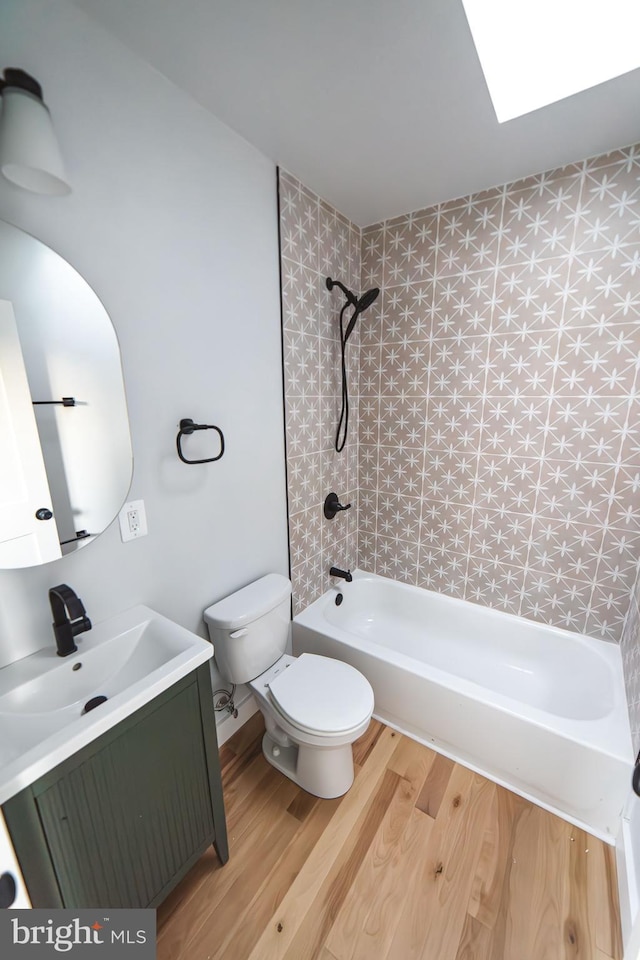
[65,448]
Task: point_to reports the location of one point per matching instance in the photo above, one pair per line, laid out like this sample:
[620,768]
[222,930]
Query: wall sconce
[29,153]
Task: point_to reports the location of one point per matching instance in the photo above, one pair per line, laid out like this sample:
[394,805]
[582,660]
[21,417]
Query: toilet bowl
[313,707]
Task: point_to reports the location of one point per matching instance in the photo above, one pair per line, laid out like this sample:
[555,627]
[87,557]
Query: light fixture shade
[29,151]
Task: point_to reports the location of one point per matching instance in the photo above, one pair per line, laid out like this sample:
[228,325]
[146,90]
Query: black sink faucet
[69,618]
[337,572]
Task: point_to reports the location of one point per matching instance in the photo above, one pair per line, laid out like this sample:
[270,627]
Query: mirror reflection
[65,448]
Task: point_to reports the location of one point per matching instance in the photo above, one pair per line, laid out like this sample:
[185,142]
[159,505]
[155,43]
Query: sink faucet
[337,572]
[69,618]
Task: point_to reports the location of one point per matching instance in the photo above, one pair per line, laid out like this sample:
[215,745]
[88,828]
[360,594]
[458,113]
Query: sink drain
[93,703]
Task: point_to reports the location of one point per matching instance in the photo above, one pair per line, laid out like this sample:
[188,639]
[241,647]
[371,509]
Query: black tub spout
[344,574]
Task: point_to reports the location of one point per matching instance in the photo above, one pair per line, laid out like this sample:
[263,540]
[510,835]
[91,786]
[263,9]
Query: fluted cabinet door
[117,827]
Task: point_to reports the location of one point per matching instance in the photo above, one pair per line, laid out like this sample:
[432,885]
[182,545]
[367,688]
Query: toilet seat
[322,696]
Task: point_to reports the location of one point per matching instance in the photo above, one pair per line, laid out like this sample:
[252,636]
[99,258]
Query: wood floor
[421,859]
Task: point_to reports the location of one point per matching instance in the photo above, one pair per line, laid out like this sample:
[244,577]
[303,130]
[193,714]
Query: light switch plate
[133,520]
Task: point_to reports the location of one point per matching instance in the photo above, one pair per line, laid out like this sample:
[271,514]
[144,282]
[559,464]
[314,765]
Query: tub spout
[344,574]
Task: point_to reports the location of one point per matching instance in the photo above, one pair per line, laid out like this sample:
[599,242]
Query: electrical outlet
[133,520]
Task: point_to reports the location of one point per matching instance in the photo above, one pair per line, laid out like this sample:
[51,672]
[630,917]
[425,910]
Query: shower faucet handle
[332,506]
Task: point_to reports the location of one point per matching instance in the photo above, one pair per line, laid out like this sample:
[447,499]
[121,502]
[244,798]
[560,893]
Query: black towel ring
[187,427]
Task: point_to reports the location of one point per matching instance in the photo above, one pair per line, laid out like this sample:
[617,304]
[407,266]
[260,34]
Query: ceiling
[379,106]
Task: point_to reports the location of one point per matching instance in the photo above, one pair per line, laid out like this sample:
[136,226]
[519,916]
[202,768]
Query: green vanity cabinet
[120,822]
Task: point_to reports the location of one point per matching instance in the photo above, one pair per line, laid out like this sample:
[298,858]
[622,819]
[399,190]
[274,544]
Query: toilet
[313,707]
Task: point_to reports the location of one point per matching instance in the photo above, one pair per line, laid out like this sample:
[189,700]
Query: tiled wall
[498,454]
[317,242]
[499,445]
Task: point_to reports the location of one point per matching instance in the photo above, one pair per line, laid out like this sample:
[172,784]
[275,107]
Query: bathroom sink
[47,702]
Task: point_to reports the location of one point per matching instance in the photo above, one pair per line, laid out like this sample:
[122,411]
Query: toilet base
[325,772]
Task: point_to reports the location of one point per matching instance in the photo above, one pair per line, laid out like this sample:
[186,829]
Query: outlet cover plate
[133,521]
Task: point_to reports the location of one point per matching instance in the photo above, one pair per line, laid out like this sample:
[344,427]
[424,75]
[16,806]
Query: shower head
[361,305]
[367,299]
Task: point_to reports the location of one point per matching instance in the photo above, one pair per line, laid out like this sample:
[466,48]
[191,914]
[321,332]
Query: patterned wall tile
[548,597]
[498,396]
[500,535]
[462,303]
[529,321]
[409,246]
[457,367]
[446,526]
[521,364]
[493,584]
[587,428]
[317,241]
[531,296]
[441,570]
[610,203]
[469,233]
[539,216]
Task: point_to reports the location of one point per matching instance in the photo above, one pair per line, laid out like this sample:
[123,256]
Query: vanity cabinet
[120,823]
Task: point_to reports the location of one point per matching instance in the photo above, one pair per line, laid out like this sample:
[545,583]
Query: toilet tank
[249,628]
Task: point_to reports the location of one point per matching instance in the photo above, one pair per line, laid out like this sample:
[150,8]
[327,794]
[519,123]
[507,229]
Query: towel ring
[187,427]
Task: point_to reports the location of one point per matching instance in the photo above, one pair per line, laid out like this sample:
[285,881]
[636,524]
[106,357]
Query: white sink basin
[129,659]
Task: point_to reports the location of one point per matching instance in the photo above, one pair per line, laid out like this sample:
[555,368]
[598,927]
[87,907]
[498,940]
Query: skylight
[534,52]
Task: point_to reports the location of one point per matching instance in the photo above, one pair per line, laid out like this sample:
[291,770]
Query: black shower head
[367,299]
[361,305]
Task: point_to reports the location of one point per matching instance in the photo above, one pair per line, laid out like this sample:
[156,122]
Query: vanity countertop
[129,659]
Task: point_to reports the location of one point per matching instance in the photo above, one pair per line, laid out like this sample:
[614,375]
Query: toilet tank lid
[250,602]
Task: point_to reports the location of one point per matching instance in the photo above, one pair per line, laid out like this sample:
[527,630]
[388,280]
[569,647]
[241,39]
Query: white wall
[172,220]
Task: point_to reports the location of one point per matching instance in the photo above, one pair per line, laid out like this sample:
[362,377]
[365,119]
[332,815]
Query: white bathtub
[539,710]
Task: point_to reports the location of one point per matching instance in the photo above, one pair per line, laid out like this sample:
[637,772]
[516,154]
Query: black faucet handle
[332,506]
[80,625]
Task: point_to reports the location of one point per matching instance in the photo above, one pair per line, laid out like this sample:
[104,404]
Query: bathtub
[537,709]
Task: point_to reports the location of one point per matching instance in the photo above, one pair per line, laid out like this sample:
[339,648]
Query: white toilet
[313,707]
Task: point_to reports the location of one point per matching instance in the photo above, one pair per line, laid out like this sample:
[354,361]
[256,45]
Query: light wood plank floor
[421,859]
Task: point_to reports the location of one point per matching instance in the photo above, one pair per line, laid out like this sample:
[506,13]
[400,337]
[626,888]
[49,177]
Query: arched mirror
[65,447]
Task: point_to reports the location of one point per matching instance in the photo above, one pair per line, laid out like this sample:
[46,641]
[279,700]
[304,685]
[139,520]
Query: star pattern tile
[498,397]
[316,242]
[527,325]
